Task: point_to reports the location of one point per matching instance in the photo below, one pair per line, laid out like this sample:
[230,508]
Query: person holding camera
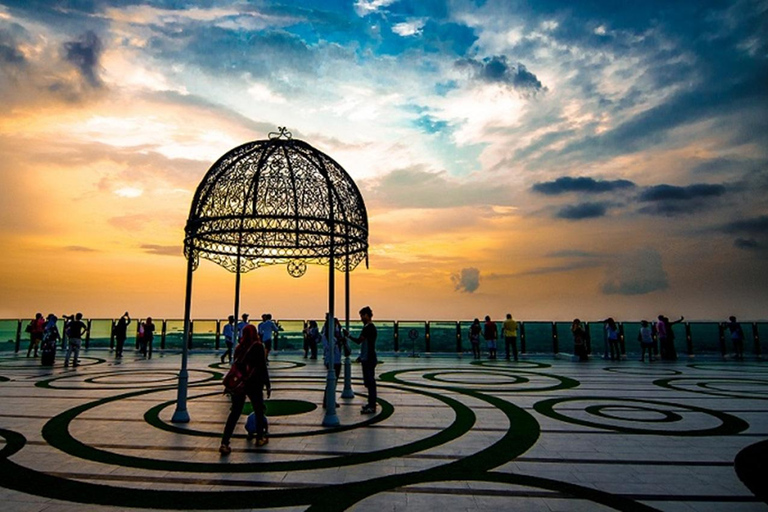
[121,333]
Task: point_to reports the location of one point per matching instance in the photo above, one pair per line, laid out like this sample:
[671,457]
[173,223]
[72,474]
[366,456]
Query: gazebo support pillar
[236,339]
[181,415]
[348,392]
[331,419]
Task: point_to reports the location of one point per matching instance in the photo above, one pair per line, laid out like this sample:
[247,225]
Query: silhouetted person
[251,360]
[311,337]
[667,338]
[240,326]
[229,338]
[50,337]
[614,336]
[510,336]
[579,340]
[645,337]
[474,337]
[121,333]
[491,334]
[148,337]
[368,360]
[75,328]
[737,337]
[267,328]
[35,330]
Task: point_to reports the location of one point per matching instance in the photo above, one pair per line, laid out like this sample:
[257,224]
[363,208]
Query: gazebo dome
[277,201]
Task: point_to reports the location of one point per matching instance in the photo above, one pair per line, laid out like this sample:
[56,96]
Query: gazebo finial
[281,133]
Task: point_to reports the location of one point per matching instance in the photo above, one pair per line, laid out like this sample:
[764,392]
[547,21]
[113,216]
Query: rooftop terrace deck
[451,434]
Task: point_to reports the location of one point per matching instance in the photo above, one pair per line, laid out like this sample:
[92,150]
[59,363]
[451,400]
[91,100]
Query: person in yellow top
[510,335]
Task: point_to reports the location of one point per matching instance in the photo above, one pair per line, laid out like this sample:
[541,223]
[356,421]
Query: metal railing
[419,336]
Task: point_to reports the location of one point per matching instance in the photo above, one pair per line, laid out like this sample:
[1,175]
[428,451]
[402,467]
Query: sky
[548,159]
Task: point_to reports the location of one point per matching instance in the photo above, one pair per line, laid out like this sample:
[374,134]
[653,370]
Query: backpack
[235,379]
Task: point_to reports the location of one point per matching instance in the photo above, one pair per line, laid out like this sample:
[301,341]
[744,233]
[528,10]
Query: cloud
[85,53]
[416,188]
[582,211]
[674,193]
[409,28]
[163,250]
[79,248]
[635,273]
[468,280]
[749,244]
[496,70]
[580,184]
[366,7]
[10,54]
[751,226]
[573,253]
[670,200]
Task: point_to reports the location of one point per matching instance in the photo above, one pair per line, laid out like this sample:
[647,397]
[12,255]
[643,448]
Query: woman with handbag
[247,377]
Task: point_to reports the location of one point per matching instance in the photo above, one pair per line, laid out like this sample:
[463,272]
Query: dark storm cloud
[671,200]
[496,69]
[674,193]
[84,53]
[582,184]
[751,226]
[583,211]
[749,244]
[754,231]
[9,50]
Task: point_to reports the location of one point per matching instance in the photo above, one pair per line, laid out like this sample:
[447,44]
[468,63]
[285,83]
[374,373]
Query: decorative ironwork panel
[277,201]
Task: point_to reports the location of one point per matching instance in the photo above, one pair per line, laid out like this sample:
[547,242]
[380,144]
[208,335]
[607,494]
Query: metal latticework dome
[277,201]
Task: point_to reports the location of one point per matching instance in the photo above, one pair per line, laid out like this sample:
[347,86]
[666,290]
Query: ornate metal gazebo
[273,201]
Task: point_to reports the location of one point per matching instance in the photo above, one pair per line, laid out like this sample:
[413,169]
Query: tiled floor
[539,435]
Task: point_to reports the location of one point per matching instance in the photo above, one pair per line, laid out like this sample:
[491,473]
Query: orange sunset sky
[550,160]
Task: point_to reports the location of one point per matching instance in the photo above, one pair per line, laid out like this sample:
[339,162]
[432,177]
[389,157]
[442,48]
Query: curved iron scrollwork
[277,201]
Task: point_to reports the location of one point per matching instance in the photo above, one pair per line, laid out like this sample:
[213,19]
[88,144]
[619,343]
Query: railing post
[755,338]
[588,337]
[555,343]
[521,335]
[88,335]
[111,334]
[218,333]
[138,325]
[427,340]
[458,337]
[721,338]
[396,335]
[191,331]
[18,336]
[688,339]
[276,338]
[622,341]
[162,334]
